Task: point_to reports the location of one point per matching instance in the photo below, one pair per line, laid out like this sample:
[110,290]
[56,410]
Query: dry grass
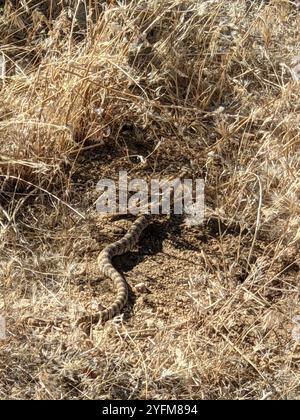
[89,88]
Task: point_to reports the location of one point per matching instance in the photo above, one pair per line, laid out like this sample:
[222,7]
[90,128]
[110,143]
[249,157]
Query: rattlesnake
[106,268]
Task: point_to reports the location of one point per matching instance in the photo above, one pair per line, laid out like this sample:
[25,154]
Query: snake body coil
[125,244]
[106,267]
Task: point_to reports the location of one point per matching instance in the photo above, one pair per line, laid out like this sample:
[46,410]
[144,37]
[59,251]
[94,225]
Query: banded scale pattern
[106,268]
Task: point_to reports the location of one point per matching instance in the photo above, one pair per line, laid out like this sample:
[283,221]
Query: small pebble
[141,288]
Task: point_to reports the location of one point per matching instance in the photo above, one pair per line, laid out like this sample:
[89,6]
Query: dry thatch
[90,88]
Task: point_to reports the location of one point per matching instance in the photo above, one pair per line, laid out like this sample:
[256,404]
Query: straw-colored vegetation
[93,87]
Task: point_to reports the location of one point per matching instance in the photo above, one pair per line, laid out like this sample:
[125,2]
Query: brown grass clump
[90,88]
